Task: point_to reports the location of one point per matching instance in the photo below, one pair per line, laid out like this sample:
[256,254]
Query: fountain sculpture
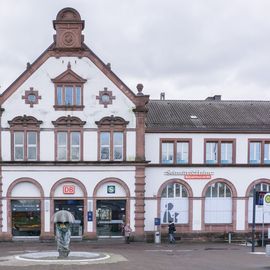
[63,219]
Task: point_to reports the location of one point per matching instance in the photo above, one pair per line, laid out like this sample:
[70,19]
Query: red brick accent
[220,227]
[68,26]
[139,201]
[28,93]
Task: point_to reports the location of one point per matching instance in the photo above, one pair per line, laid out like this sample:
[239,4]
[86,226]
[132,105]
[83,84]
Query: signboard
[157,221]
[90,216]
[69,189]
[191,174]
[110,189]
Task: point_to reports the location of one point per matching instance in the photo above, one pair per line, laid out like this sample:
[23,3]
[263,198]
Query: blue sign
[157,221]
[90,216]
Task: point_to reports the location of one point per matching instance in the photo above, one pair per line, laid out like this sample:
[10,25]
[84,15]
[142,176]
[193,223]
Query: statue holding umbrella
[63,219]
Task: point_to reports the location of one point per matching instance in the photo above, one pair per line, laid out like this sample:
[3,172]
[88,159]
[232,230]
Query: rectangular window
[105,145]
[75,146]
[220,151]
[255,152]
[118,145]
[68,95]
[62,146]
[211,152]
[226,153]
[182,152]
[167,155]
[18,145]
[59,98]
[266,153]
[78,96]
[32,145]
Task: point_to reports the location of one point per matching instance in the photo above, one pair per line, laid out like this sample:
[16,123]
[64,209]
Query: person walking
[127,231]
[171,230]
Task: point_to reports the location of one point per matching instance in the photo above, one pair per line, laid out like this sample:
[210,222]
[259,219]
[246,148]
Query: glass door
[75,207]
[110,216]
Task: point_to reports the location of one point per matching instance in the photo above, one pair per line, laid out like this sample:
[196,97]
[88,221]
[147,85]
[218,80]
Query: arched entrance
[70,194]
[26,219]
[111,207]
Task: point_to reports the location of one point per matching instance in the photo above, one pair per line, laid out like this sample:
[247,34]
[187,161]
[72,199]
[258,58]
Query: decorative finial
[108,65]
[139,88]
[69,65]
[28,65]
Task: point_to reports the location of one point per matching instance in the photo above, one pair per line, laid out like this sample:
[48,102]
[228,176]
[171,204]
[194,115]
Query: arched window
[260,216]
[174,204]
[218,204]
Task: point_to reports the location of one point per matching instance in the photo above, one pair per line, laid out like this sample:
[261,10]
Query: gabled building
[74,136]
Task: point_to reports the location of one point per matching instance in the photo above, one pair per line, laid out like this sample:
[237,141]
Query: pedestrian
[127,231]
[171,230]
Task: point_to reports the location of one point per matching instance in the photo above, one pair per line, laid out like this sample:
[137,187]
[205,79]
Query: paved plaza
[210,256]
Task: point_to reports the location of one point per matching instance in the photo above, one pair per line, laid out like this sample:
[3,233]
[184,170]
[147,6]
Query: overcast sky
[189,49]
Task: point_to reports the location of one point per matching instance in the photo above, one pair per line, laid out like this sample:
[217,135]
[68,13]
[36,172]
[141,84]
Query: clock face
[32,98]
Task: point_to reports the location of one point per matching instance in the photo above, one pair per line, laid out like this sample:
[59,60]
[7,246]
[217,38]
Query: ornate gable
[69,76]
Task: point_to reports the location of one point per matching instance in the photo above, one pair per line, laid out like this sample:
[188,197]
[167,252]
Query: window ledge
[68,108]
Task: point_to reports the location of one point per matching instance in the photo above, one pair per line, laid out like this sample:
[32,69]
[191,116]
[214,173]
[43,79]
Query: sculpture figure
[63,219]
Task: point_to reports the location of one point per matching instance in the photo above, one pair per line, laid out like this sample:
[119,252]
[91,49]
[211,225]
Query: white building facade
[75,137]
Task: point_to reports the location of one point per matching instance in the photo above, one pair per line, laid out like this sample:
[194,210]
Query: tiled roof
[207,115]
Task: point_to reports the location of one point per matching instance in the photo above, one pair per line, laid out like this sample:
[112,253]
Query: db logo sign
[69,189]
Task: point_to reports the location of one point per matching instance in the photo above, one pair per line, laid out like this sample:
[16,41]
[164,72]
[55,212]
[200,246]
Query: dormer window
[68,95]
[68,91]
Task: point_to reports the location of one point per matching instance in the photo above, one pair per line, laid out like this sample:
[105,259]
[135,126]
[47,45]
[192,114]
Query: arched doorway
[70,194]
[111,207]
[26,208]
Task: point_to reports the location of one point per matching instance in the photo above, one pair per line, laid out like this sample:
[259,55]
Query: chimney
[162,96]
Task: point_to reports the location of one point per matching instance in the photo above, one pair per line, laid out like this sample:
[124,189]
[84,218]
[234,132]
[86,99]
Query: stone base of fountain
[52,257]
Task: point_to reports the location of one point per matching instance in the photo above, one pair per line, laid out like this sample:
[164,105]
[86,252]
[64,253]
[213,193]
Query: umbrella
[63,216]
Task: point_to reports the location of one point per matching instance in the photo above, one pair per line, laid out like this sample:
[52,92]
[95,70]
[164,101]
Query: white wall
[152,142]
[44,110]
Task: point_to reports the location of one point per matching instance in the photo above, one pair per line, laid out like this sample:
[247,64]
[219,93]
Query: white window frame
[62,146]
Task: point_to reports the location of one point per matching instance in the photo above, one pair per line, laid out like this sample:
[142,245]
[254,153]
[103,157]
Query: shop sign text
[191,174]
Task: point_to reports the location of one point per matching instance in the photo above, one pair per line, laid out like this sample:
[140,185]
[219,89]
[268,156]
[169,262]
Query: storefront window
[25,217]
[174,204]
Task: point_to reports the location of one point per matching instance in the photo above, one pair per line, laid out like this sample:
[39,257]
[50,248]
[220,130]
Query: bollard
[230,237]
[157,238]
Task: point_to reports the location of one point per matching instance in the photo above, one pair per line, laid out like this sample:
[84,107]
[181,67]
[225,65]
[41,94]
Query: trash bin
[157,237]
[267,250]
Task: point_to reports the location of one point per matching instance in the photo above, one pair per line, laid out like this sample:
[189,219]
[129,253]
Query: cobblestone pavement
[138,256]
